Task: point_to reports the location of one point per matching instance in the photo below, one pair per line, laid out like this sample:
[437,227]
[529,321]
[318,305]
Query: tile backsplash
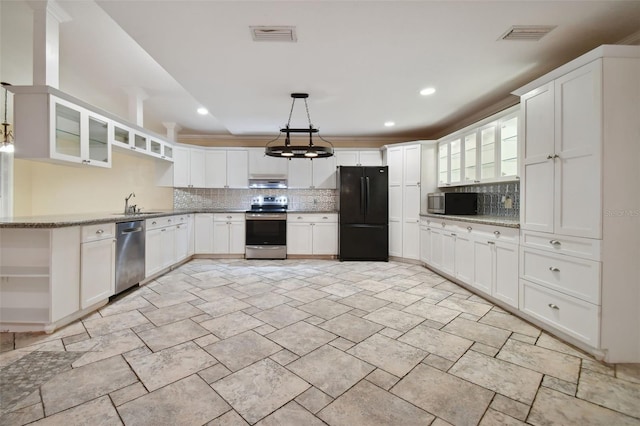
[240,199]
[491,196]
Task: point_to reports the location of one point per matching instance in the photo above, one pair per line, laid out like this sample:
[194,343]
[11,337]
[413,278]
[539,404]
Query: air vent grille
[527,32]
[263,33]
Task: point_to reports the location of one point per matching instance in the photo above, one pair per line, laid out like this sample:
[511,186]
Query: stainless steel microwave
[456,203]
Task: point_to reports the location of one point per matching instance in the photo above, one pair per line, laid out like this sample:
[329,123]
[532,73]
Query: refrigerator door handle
[368,197]
[362,195]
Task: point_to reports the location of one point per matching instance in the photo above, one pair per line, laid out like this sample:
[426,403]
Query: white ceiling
[363,63]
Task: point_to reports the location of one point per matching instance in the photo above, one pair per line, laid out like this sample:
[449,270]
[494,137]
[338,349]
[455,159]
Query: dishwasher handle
[132,230]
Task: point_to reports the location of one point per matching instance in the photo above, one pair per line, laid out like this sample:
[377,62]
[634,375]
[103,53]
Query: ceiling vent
[527,32]
[274,34]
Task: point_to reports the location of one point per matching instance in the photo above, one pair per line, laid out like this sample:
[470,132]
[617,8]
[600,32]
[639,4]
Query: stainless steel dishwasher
[130,246]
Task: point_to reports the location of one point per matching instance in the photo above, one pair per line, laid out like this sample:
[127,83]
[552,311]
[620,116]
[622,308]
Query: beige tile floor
[306,342]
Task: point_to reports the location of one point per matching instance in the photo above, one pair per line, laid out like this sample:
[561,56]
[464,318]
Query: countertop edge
[64,221]
[485,220]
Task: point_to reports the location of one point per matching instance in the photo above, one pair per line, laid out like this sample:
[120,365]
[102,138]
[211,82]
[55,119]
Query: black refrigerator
[364,213]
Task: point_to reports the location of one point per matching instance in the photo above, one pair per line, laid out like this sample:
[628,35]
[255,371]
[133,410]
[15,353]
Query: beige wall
[43,188]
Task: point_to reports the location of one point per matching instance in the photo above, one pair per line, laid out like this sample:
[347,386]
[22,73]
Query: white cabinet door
[237,168]
[448,253]
[347,158]
[325,238]
[370,158]
[425,244]
[260,164]
[411,239]
[395,237]
[97,279]
[505,284]
[299,238]
[324,173]
[215,169]
[197,167]
[538,187]
[483,265]
[578,118]
[153,251]
[394,161]
[203,230]
[437,253]
[412,155]
[464,258]
[168,236]
[181,174]
[236,237]
[300,173]
[221,237]
[182,241]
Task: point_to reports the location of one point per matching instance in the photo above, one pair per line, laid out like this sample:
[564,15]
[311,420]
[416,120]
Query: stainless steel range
[266,228]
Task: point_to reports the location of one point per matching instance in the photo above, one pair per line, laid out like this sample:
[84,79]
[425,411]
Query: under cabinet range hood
[268,181]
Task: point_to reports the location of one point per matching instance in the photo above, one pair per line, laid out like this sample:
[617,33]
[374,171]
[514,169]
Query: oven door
[266,229]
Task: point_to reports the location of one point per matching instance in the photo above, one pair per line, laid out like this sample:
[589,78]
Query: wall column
[47,16]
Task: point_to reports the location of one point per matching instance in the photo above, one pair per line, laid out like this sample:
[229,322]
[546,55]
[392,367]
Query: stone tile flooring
[297,342]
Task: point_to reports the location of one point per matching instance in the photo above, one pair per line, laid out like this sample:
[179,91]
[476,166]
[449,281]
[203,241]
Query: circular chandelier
[287,150]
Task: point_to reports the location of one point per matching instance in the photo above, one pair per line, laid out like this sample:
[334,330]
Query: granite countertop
[313,211]
[80,219]
[509,222]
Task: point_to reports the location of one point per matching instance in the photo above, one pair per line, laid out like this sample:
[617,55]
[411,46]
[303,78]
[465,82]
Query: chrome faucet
[126,204]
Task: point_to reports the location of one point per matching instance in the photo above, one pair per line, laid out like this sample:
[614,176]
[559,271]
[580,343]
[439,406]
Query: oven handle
[262,216]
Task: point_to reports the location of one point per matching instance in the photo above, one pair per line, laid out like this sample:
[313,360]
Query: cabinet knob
[169,220]
[491,242]
[469,228]
[556,156]
[228,217]
[549,157]
[154,222]
[555,242]
[299,217]
[99,231]
[496,233]
[324,217]
[162,230]
[443,224]
[553,306]
[428,229]
[554,269]
[453,235]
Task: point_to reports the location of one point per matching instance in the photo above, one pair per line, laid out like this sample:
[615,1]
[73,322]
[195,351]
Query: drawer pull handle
[496,233]
[549,157]
[491,242]
[554,269]
[299,217]
[428,229]
[99,231]
[552,306]
[154,222]
[228,217]
[469,228]
[555,242]
[324,217]
[169,220]
[453,235]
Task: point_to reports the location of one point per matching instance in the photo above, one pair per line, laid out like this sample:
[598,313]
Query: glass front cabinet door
[443,164]
[509,146]
[470,158]
[78,135]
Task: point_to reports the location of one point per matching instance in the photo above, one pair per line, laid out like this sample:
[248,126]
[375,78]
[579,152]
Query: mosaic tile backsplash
[493,199]
[240,199]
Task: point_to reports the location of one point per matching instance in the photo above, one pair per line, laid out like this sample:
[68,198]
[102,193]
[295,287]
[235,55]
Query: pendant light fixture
[310,151]
[7,135]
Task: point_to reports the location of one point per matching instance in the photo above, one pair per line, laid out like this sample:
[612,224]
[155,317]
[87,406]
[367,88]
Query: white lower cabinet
[228,233]
[315,234]
[160,244]
[97,264]
[482,256]
[203,230]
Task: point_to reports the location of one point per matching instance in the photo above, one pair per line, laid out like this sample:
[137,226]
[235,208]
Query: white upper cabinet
[78,135]
[189,168]
[484,152]
[348,157]
[319,173]
[562,155]
[261,164]
[226,169]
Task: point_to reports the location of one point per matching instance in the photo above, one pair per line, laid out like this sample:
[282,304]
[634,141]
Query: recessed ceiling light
[428,91]
[389,123]
[203,111]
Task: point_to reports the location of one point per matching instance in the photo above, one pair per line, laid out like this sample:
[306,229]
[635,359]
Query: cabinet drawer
[228,217]
[181,218]
[573,246]
[98,232]
[571,275]
[573,316]
[312,218]
[160,222]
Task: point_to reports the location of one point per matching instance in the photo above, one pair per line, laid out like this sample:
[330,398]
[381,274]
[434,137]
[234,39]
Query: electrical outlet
[508,203]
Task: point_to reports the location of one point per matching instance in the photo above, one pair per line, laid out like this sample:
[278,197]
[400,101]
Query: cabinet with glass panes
[486,151]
